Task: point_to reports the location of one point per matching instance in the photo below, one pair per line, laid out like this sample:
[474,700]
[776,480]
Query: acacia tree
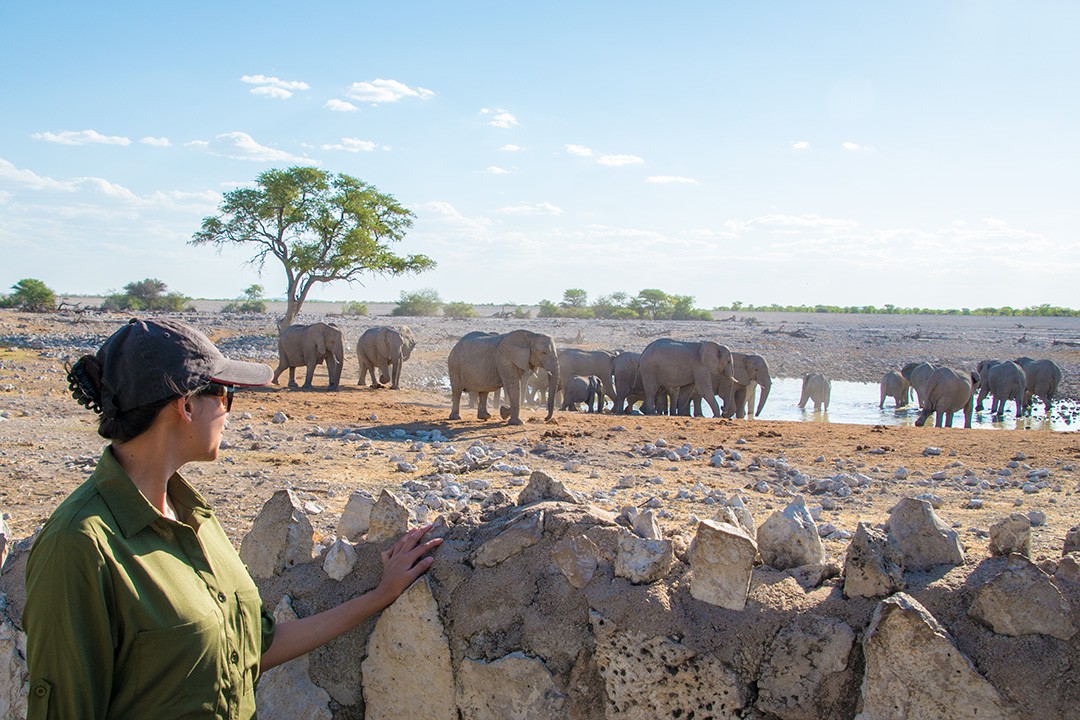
[322,227]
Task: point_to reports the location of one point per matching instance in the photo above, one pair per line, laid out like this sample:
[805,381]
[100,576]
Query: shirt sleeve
[269,628]
[69,628]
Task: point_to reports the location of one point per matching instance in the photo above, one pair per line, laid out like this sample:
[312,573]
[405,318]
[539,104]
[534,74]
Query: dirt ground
[49,443]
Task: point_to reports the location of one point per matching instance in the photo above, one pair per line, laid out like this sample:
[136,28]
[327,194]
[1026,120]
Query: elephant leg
[280,368]
[967,414]
[455,402]
[309,376]
[651,389]
[292,377]
[395,374]
[511,386]
[481,406]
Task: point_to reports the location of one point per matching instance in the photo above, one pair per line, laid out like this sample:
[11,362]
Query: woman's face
[209,415]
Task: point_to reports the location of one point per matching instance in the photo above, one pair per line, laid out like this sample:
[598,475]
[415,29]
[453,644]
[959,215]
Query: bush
[354,307]
[422,303]
[459,310]
[148,294]
[252,302]
[31,295]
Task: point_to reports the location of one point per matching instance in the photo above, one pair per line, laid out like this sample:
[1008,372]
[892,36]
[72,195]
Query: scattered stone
[915,670]
[1010,535]
[544,487]
[1022,600]
[525,532]
[641,560]
[645,525]
[1072,541]
[721,562]
[279,418]
[514,686]
[356,517]
[743,515]
[874,564]
[286,692]
[280,537]
[931,451]
[389,518]
[409,635]
[924,540]
[340,560]
[802,666]
[1068,568]
[1037,518]
[577,558]
[789,538]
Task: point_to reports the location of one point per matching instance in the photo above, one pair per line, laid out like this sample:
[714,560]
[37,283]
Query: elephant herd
[943,391]
[667,376]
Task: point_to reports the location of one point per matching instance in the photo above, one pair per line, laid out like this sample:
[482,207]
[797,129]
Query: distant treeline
[1006,311]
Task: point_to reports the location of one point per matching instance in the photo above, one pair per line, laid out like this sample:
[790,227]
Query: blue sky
[849,153]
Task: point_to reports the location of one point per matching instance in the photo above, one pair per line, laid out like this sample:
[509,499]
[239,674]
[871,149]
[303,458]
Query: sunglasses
[225,392]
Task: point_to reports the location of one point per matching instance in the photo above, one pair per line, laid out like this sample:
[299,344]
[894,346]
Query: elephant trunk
[765,385]
[333,369]
[553,389]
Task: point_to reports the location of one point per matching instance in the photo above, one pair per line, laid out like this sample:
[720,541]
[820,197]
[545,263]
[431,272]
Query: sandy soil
[50,444]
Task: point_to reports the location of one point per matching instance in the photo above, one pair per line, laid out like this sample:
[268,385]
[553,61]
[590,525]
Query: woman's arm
[402,564]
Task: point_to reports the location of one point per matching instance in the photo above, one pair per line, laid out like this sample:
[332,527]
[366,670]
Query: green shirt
[132,615]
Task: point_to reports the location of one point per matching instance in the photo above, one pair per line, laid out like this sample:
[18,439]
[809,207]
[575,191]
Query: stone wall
[553,609]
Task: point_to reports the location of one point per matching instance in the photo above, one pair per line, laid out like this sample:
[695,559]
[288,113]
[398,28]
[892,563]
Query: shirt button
[221,597]
[235,657]
[40,691]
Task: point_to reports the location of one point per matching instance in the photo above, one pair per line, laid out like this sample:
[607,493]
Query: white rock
[340,560]
[789,538]
[524,532]
[1010,535]
[356,517]
[514,687]
[280,537]
[14,674]
[641,560]
[722,561]
[286,692]
[279,418]
[645,525]
[1022,600]
[872,567]
[924,540]
[802,663]
[577,558]
[389,518]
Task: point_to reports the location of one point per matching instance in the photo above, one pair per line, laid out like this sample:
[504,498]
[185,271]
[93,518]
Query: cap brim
[240,372]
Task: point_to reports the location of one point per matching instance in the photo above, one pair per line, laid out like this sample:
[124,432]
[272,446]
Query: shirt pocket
[250,605]
[179,667]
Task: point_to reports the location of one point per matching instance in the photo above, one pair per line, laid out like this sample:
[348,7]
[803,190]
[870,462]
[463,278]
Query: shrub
[148,294]
[252,302]
[31,295]
[354,307]
[459,309]
[422,303]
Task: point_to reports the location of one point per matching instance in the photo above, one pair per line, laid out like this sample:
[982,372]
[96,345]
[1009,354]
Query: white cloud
[510,148]
[352,145]
[579,150]
[495,170]
[385,91]
[800,144]
[81,137]
[671,179]
[503,119]
[273,87]
[443,212]
[241,146]
[850,146]
[781,223]
[620,160]
[339,105]
[156,142]
[544,208]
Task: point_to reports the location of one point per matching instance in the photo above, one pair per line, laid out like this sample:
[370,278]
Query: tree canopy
[322,227]
[33,295]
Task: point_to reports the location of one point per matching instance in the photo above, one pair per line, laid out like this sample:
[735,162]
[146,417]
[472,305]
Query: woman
[137,604]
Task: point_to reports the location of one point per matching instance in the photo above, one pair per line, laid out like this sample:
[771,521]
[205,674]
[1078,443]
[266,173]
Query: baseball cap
[150,360]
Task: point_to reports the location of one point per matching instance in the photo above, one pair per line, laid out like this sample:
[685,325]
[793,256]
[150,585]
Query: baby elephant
[580,389]
[818,388]
[896,386]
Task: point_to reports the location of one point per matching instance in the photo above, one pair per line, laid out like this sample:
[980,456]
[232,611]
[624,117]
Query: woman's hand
[404,562]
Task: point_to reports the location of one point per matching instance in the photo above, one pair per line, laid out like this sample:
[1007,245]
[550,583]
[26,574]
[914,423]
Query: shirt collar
[132,510]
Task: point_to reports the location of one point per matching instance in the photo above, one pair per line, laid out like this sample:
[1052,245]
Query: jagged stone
[14,675]
[577,558]
[407,673]
[280,537]
[286,692]
[356,517]
[1072,541]
[641,560]
[802,664]
[524,532]
[1022,600]
[514,687]
[645,525]
[4,535]
[340,560]
[1010,535]
[789,538]
[924,540]
[544,487]
[1068,568]
[653,677]
[389,518]
[811,576]
[914,669]
[722,561]
[742,513]
[874,564]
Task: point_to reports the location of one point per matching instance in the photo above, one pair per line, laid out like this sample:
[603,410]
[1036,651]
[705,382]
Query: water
[856,403]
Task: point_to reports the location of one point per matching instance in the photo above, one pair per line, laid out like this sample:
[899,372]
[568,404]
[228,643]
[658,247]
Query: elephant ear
[320,342]
[740,367]
[710,356]
[519,354]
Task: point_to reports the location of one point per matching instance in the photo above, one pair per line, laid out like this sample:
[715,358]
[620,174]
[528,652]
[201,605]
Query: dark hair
[84,381]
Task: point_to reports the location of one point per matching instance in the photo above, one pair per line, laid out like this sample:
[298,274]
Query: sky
[919,153]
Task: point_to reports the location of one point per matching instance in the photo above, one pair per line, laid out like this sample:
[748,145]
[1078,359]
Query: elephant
[310,345]
[1005,381]
[482,362]
[947,391]
[1043,378]
[385,349]
[586,390]
[628,386]
[684,368]
[536,387]
[574,362]
[896,386]
[917,373]
[750,372]
[818,388]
